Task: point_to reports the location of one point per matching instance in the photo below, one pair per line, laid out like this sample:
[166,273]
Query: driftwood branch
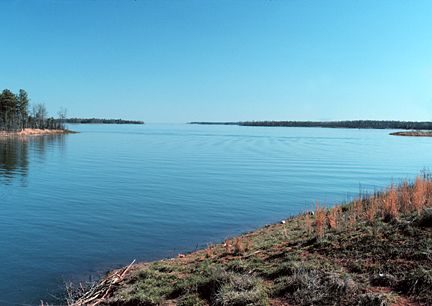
[103,289]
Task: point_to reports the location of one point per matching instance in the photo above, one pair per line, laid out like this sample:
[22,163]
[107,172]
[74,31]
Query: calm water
[77,205]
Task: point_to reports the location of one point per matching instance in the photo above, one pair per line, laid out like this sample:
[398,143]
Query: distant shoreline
[350,124]
[100,121]
[35,132]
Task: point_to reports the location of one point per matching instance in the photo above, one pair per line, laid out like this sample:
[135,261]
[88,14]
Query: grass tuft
[242,290]
[418,283]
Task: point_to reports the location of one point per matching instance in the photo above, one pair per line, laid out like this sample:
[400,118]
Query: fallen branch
[102,290]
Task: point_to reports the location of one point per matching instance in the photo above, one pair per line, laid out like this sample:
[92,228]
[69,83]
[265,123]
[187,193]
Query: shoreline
[35,132]
[347,124]
[102,121]
[374,251]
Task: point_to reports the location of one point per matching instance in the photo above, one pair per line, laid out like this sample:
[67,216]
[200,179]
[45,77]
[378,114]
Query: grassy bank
[372,251]
[413,133]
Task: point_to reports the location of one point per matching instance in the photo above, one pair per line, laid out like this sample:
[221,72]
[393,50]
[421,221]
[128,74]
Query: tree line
[16,113]
[350,124]
[101,121]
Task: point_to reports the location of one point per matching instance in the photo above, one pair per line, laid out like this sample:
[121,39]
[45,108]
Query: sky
[220,60]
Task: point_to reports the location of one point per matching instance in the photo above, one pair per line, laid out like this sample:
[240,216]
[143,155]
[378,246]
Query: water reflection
[14,155]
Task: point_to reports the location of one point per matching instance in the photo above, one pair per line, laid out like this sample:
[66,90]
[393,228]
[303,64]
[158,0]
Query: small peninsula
[17,119]
[413,133]
[35,132]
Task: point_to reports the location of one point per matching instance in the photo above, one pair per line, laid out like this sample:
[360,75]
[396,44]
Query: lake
[74,206]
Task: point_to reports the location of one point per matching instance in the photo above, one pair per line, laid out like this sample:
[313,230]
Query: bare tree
[62,114]
[40,114]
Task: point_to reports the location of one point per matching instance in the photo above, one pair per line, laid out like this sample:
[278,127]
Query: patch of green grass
[247,265]
[310,287]
[191,299]
[241,290]
[162,266]
[286,268]
[149,287]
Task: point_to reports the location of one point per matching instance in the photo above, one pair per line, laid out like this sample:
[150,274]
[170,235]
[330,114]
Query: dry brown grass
[333,217]
[209,251]
[320,218]
[420,194]
[228,246]
[371,210]
[357,209]
[391,207]
[428,184]
[239,247]
[248,245]
[405,197]
[351,219]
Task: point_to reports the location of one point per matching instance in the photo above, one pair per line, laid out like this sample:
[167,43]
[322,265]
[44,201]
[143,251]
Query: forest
[16,113]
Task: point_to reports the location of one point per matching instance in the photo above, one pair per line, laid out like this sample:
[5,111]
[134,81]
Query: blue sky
[179,61]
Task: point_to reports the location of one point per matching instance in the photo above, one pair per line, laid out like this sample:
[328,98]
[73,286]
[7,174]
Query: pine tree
[22,107]
[8,104]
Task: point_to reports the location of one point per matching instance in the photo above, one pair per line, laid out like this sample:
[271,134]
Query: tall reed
[320,217]
[419,196]
[333,217]
[405,197]
[391,208]
[372,209]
